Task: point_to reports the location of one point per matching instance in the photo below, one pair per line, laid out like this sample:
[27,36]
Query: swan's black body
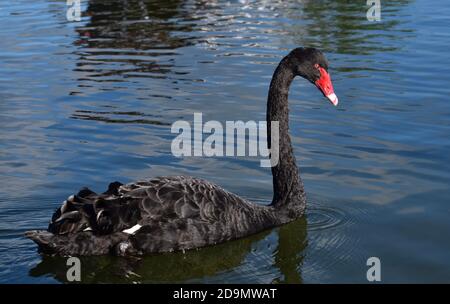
[180,213]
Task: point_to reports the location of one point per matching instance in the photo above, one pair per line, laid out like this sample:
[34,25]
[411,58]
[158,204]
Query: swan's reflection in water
[279,252]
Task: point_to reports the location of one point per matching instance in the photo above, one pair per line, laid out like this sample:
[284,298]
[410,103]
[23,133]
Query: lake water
[86,103]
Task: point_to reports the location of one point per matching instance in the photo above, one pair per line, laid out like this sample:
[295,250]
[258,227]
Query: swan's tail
[85,243]
[89,224]
[43,239]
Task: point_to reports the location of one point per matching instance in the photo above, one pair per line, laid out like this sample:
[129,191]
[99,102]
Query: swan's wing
[181,197]
[162,199]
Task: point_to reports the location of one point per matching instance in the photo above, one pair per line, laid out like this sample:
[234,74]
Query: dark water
[86,103]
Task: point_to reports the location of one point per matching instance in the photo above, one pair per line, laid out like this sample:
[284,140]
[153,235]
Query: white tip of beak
[333,99]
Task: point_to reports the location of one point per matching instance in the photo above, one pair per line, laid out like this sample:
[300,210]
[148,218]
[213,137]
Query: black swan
[175,213]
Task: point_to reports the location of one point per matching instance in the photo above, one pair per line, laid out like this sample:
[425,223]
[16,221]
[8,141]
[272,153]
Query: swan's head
[311,64]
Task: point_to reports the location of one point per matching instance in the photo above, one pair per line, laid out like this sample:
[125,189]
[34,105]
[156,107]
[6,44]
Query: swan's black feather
[176,213]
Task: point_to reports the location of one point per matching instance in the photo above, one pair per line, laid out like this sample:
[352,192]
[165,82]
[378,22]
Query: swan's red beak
[325,85]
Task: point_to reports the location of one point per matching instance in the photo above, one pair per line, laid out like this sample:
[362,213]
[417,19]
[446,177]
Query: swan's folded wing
[158,200]
[181,197]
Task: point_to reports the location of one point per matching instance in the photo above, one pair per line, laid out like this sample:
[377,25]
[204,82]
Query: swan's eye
[317,66]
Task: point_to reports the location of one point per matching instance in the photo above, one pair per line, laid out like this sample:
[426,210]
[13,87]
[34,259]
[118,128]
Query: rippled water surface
[85,103]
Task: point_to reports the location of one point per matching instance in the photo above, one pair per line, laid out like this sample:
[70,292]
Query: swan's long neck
[288,191]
